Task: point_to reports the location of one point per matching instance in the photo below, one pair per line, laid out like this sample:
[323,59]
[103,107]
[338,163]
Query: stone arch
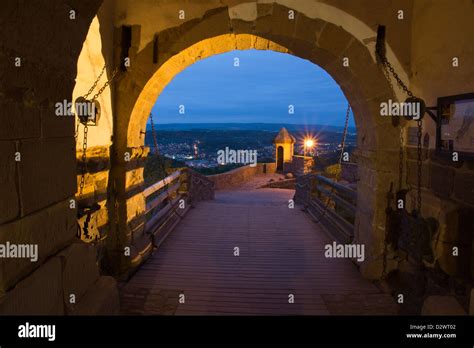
[314,39]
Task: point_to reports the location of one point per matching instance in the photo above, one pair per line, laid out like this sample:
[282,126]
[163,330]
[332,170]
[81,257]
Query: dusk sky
[259,90]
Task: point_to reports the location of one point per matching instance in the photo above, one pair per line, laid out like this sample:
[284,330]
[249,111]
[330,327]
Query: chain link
[344,134]
[107,83]
[419,160]
[155,141]
[94,85]
[84,143]
[397,78]
[389,68]
[86,129]
[400,158]
[84,161]
[400,137]
[343,143]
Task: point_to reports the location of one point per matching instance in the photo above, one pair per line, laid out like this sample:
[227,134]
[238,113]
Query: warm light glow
[309,143]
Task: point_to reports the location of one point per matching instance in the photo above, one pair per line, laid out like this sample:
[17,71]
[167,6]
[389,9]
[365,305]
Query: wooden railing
[329,203]
[168,200]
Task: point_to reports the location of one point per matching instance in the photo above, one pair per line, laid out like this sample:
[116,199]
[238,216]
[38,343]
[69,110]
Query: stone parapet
[240,175]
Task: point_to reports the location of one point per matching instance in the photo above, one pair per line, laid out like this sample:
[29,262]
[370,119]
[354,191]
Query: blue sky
[259,90]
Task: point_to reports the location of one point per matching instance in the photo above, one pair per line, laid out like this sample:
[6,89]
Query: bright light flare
[309,143]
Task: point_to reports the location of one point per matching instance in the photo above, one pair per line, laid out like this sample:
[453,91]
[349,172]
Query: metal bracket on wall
[429,111]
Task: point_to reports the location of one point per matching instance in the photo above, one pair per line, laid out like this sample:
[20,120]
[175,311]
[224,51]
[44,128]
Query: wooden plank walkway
[281,253]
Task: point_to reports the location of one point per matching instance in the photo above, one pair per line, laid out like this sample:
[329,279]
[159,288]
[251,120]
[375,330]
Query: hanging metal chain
[87,211]
[400,83]
[107,83]
[389,68]
[155,141]
[86,129]
[94,85]
[419,163]
[400,158]
[343,142]
[84,161]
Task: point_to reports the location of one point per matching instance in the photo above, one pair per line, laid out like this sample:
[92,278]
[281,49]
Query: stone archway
[36,208]
[316,40]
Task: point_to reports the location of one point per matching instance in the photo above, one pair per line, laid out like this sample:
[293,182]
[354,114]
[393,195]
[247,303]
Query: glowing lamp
[308,144]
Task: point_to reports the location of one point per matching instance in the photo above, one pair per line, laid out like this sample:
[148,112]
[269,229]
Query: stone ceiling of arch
[359,17]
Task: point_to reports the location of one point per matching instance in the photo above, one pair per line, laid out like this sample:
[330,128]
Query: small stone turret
[284,148]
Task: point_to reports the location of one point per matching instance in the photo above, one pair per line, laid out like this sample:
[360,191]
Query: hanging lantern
[88,111]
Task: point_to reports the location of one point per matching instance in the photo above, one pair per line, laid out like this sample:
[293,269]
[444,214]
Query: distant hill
[271,127]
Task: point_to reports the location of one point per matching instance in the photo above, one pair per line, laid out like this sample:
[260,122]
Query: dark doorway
[280,158]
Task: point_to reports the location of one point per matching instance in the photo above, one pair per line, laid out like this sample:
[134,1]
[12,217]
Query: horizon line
[272,123]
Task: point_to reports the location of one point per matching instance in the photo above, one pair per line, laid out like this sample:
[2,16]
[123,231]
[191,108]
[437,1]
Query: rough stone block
[100,299]
[412,153]
[307,29]
[372,269]
[38,294]
[134,174]
[412,176]
[442,180]
[278,23]
[241,27]
[464,187]
[19,121]
[51,229]
[457,223]
[56,126]
[47,172]
[334,39]
[442,305]
[451,264]
[80,271]
[9,202]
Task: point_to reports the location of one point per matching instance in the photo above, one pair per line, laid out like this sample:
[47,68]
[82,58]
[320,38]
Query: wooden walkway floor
[281,253]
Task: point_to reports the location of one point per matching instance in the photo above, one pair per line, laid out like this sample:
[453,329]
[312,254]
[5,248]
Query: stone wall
[448,187]
[40,45]
[68,283]
[240,175]
[349,172]
[447,196]
[299,165]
